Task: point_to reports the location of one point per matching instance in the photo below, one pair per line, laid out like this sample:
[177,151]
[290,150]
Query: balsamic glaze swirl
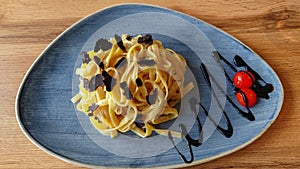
[261,90]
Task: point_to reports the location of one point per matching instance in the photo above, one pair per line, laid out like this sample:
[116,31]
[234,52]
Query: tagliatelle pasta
[131,84]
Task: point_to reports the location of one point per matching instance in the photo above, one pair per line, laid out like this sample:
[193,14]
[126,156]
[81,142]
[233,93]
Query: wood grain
[271,28]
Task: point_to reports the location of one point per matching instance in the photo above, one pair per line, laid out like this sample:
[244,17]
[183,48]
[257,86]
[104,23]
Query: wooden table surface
[270,27]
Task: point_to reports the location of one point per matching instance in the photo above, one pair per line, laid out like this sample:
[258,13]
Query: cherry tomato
[246,95]
[243,79]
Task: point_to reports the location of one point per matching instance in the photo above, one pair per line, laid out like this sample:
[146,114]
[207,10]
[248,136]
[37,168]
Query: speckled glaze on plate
[47,116]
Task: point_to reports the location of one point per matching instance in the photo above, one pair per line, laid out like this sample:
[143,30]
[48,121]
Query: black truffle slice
[151,98]
[127,93]
[122,62]
[93,107]
[86,58]
[129,37]
[138,82]
[108,81]
[120,42]
[95,82]
[103,44]
[145,62]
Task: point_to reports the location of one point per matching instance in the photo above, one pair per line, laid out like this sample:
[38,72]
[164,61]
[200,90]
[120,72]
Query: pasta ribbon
[133,86]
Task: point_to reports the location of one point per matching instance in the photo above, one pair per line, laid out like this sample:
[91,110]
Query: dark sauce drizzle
[248,115]
[190,141]
[229,131]
[261,91]
[257,87]
[217,55]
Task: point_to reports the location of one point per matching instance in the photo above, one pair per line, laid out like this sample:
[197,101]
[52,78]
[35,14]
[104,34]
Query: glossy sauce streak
[260,90]
[190,141]
[229,131]
[217,55]
[248,115]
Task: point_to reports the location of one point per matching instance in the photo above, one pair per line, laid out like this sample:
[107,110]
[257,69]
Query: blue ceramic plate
[49,119]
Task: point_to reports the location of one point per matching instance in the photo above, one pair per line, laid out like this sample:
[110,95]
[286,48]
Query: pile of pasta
[131,84]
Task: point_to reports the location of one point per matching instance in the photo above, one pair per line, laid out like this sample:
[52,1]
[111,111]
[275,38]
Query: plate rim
[82,164]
